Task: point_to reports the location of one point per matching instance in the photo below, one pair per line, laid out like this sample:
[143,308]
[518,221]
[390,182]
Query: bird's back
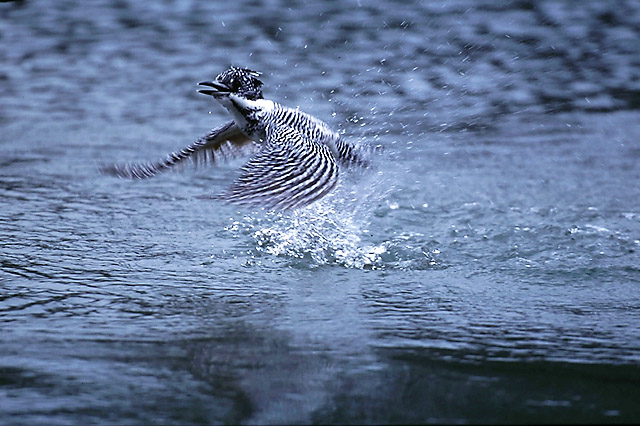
[307,125]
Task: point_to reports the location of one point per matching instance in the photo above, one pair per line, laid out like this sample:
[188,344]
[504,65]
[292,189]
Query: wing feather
[222,142]
[289,172]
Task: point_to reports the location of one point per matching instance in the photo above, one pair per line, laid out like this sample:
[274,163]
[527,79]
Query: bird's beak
[218,88]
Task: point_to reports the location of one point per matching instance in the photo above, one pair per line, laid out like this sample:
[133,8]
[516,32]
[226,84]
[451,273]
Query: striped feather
[345,152]
[290,171]
[220,143]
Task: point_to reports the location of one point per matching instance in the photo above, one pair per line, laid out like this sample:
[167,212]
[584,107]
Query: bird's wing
[289,171]
[222,142]
[349,154]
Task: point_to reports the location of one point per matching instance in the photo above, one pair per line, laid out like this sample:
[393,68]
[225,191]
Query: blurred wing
[222,142]
[290,171]
[351,155]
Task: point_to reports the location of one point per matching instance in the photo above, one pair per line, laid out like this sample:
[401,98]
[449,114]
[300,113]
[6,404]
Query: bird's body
[298,158]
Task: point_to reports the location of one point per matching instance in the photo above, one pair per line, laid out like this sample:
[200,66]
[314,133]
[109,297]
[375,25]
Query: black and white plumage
[289,171]
[298,156]
[222,142]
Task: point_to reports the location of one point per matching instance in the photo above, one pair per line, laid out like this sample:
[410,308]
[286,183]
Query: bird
[298,156]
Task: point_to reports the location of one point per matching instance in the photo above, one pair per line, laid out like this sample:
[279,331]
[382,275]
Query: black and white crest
[243,81]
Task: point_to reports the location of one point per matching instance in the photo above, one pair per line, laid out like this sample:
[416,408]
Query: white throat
[243,109]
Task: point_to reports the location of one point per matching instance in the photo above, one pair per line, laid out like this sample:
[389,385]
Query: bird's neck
[249,114]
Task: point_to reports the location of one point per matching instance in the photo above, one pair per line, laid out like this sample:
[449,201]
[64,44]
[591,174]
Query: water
[486,270]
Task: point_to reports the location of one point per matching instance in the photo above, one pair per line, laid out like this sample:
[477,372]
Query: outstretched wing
[224,141]
[289,171]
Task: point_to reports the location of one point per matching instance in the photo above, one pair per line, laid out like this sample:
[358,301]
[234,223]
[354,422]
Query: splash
[338,230]
[329,232]
[321,234]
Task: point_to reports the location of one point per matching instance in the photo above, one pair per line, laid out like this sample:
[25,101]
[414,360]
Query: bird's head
[238,81]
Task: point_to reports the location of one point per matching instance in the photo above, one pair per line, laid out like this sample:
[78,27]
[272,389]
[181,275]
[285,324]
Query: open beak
[218,88]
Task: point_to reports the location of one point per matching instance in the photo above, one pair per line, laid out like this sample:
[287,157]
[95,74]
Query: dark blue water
[486,270]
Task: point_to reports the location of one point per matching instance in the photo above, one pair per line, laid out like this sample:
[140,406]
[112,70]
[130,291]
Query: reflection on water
[485,270]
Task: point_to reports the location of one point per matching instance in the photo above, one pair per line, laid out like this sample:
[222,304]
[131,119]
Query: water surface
[486,270]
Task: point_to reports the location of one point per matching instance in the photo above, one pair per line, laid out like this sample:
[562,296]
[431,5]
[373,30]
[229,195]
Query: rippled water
[485,270]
